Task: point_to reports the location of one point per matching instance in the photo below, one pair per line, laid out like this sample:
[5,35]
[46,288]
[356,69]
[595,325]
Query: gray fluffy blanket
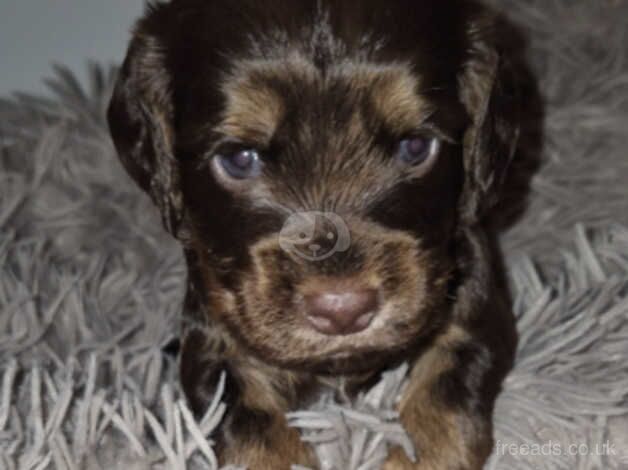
[91,288]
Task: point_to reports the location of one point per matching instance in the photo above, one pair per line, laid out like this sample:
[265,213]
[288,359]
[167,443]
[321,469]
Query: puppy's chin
[350,359]
[350,363]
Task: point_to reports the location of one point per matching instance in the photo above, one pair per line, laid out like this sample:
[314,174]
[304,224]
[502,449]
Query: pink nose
[341,311]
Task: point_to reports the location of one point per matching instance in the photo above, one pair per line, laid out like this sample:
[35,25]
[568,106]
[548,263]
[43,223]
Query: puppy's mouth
[348,354]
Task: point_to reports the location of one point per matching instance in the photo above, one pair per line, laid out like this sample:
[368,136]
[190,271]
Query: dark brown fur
[324,89]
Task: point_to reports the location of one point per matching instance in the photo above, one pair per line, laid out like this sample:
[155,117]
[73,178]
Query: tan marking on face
[394,93]
[273,289]
[396,100]
[253,111]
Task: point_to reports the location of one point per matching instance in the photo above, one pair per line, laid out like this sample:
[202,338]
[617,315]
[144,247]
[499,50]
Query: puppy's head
[320,159]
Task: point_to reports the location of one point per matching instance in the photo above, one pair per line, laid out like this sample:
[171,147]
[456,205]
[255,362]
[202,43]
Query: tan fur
[397,100]
[444,439]
[287,450]
[392,262]
[253,111]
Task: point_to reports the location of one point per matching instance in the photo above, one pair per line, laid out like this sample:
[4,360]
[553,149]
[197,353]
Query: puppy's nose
[341,311]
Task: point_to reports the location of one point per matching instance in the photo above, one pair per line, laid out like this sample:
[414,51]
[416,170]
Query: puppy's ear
[140,119]
[489,93]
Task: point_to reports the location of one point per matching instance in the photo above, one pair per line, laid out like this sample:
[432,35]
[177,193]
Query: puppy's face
[315,186]
[318,160]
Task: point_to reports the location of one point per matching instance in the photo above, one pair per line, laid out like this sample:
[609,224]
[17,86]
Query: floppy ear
[489,94]
[140,119]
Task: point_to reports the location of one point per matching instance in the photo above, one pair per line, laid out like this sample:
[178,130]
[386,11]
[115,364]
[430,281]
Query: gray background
[36,33]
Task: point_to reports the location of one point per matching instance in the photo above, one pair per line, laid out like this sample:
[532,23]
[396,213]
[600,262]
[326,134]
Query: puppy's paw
[261,458]
[273,446]
[398,460]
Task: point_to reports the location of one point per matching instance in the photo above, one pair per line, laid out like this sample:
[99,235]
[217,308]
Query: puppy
[327,166]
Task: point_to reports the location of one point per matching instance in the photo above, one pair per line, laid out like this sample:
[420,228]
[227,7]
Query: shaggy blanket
[91,287]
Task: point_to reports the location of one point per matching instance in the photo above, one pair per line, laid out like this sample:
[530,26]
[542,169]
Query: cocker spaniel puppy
[327,166]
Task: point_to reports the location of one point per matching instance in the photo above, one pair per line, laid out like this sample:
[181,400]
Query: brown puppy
[326,165]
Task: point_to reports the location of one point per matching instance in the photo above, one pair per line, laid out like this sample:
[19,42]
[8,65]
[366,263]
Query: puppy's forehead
[260,93]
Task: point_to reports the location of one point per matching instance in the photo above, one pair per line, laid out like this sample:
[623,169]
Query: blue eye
[240,165]
[416,150]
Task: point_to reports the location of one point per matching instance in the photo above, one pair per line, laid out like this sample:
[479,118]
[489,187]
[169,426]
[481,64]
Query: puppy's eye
[242,164]
[417,150]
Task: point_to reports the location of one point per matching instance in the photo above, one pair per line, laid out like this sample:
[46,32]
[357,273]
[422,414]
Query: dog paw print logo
[314,236]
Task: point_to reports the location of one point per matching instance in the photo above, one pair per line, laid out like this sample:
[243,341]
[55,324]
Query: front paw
[398,460]
[282,456]
[262,459]
[258,441]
